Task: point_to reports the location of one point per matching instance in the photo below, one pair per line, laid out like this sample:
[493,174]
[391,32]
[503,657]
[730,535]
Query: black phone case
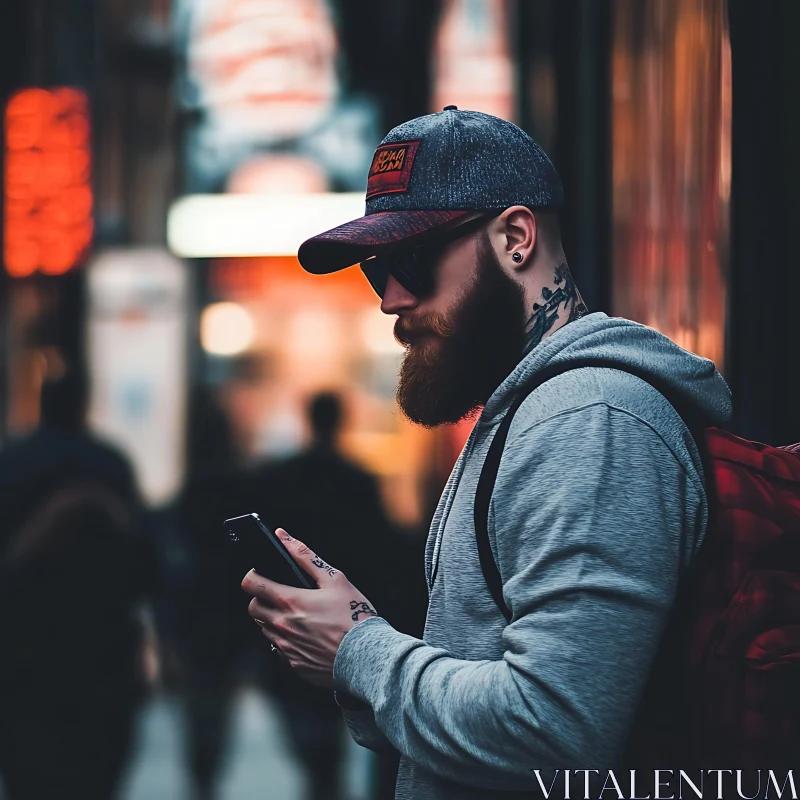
[259,548]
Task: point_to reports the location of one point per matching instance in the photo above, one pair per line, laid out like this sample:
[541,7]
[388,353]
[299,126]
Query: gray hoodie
[598,507]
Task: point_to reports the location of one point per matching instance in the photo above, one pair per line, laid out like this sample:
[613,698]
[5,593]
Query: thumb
[306,558]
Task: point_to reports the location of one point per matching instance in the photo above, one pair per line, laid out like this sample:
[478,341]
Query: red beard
[455,361]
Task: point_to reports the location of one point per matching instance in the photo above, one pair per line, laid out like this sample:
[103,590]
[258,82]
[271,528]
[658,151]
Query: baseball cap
[431,171]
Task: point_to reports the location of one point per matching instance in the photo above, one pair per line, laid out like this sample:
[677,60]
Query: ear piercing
[517,257]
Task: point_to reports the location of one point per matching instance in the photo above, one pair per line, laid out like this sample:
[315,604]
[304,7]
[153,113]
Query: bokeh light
[226,329]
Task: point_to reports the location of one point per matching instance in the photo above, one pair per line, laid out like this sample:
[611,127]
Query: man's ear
[517,234]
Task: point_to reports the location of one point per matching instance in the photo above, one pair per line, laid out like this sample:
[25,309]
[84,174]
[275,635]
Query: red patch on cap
[391,168]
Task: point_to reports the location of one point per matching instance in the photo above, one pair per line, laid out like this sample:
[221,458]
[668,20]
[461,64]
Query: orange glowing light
[47,195]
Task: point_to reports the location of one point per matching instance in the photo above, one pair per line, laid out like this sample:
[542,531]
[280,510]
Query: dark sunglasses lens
[414,269]
[376,273]
[412,275]
[408,275]
[405,269]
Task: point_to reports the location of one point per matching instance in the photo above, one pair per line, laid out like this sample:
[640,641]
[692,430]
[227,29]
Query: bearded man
[598,504]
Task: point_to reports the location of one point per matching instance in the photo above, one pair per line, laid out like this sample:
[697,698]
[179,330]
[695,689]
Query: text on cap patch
[391,168]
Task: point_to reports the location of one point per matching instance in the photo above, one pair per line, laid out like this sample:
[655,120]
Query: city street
[260,765]
[296,265]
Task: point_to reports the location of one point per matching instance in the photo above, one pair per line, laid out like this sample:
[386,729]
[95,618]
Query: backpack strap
[488,476]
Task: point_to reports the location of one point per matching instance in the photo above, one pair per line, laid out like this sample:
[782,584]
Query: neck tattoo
[546,315]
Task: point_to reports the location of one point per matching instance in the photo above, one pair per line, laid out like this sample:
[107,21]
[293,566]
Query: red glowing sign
[48,195]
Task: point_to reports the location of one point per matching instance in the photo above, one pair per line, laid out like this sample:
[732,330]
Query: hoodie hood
[688,381]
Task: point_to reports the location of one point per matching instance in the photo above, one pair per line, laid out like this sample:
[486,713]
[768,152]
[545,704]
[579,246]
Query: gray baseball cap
[431,171]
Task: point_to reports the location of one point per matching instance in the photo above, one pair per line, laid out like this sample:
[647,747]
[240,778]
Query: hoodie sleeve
[593,516]
[361,723]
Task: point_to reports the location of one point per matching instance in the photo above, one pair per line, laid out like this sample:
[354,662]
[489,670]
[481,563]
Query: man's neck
[559,302]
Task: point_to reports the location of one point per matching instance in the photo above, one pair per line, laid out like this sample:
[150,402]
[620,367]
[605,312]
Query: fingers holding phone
[307,626]
[306,558]
[257,547]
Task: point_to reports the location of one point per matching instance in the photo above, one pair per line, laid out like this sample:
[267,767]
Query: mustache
[407,330]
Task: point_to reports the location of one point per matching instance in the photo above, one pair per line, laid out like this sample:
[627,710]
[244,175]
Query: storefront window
[671,85]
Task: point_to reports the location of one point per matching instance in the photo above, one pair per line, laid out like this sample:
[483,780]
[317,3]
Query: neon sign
[47,194]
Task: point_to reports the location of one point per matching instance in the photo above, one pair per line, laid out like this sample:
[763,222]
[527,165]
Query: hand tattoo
[363,608]
[318,562]
[545,316]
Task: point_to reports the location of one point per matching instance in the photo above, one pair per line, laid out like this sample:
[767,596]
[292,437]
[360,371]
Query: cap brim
[362,238]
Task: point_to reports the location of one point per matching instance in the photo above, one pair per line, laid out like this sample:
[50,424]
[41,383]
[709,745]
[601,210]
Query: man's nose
[397,298]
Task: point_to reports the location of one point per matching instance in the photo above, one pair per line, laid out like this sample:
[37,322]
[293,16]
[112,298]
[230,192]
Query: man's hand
[307,625]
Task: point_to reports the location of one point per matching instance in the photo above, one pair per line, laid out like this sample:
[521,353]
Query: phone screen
[258,548]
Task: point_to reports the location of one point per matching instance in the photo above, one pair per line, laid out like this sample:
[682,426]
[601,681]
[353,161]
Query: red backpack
[725,686]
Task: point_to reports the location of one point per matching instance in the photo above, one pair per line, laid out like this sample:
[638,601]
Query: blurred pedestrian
[337,506]
[211,646]
[72,574]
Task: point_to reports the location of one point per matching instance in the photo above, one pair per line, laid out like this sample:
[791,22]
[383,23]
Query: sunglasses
[413,267]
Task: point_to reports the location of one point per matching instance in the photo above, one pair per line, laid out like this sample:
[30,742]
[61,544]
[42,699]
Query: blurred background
[165,362]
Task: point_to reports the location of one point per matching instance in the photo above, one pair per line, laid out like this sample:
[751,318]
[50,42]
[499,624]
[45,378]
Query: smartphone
[259,548]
